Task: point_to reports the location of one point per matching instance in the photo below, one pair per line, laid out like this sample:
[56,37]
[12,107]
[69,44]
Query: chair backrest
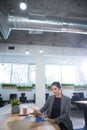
[22,94]
[81,95]
[12,96]
[1,102]
[23,99]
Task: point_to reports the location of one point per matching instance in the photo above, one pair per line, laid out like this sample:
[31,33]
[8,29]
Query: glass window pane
[52,73]
[5,71]
[68,74]
[19,74]
[84,71]
[32,74]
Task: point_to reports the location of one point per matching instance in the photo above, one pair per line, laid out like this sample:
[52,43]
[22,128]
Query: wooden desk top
[16,122]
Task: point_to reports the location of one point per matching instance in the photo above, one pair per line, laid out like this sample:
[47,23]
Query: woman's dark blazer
[64,112]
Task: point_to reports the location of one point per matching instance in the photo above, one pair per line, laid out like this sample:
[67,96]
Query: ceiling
[60,23]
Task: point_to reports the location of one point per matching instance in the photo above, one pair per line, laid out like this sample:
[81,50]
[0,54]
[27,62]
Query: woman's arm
[44,108]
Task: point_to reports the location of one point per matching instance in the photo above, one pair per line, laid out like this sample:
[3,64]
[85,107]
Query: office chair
[23,98]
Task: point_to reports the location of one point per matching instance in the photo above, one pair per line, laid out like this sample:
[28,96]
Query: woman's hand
[51,120]
[36,112]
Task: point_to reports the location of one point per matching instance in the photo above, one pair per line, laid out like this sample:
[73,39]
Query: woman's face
[56,91]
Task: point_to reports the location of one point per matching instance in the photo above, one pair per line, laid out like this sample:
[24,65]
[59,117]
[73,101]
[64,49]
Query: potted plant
[25,87]
[8,85]
[15,106]
[67,85]
[80,87]
[48,86]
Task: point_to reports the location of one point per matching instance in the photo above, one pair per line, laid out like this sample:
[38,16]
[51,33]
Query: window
[32,74]
[5,73]
[84,71]
[52,73]
[19,73]
[68,74]
[61,73]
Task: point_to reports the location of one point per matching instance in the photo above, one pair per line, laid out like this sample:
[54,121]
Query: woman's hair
[57,84]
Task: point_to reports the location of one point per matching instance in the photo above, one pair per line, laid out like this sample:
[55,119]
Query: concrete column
[40,81]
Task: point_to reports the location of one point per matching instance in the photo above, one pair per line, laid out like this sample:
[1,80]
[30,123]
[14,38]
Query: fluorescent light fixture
[23,6]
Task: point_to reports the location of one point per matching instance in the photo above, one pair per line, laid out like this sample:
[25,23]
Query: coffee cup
[25,110]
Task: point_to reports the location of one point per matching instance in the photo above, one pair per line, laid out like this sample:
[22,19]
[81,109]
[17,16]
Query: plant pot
[9,86]
[15,109]
[68,87]
[24,89]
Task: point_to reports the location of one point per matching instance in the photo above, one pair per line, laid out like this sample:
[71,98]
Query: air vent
[11,48]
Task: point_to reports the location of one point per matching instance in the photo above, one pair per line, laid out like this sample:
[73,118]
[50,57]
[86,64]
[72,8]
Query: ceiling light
[27,52]
[23,6]
[41,51]
[64,61]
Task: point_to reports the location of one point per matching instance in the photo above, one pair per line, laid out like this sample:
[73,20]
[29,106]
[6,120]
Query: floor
[77,118]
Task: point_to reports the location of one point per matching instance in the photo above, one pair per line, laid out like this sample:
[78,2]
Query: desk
[16,122]
[84,103]
[81,102]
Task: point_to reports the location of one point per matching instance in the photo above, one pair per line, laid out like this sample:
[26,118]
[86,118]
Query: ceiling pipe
[50,24]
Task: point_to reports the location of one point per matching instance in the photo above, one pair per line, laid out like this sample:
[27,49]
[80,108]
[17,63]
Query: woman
[57,108]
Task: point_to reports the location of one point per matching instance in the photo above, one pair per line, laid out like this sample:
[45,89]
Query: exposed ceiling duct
[4,25]
[50,24]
